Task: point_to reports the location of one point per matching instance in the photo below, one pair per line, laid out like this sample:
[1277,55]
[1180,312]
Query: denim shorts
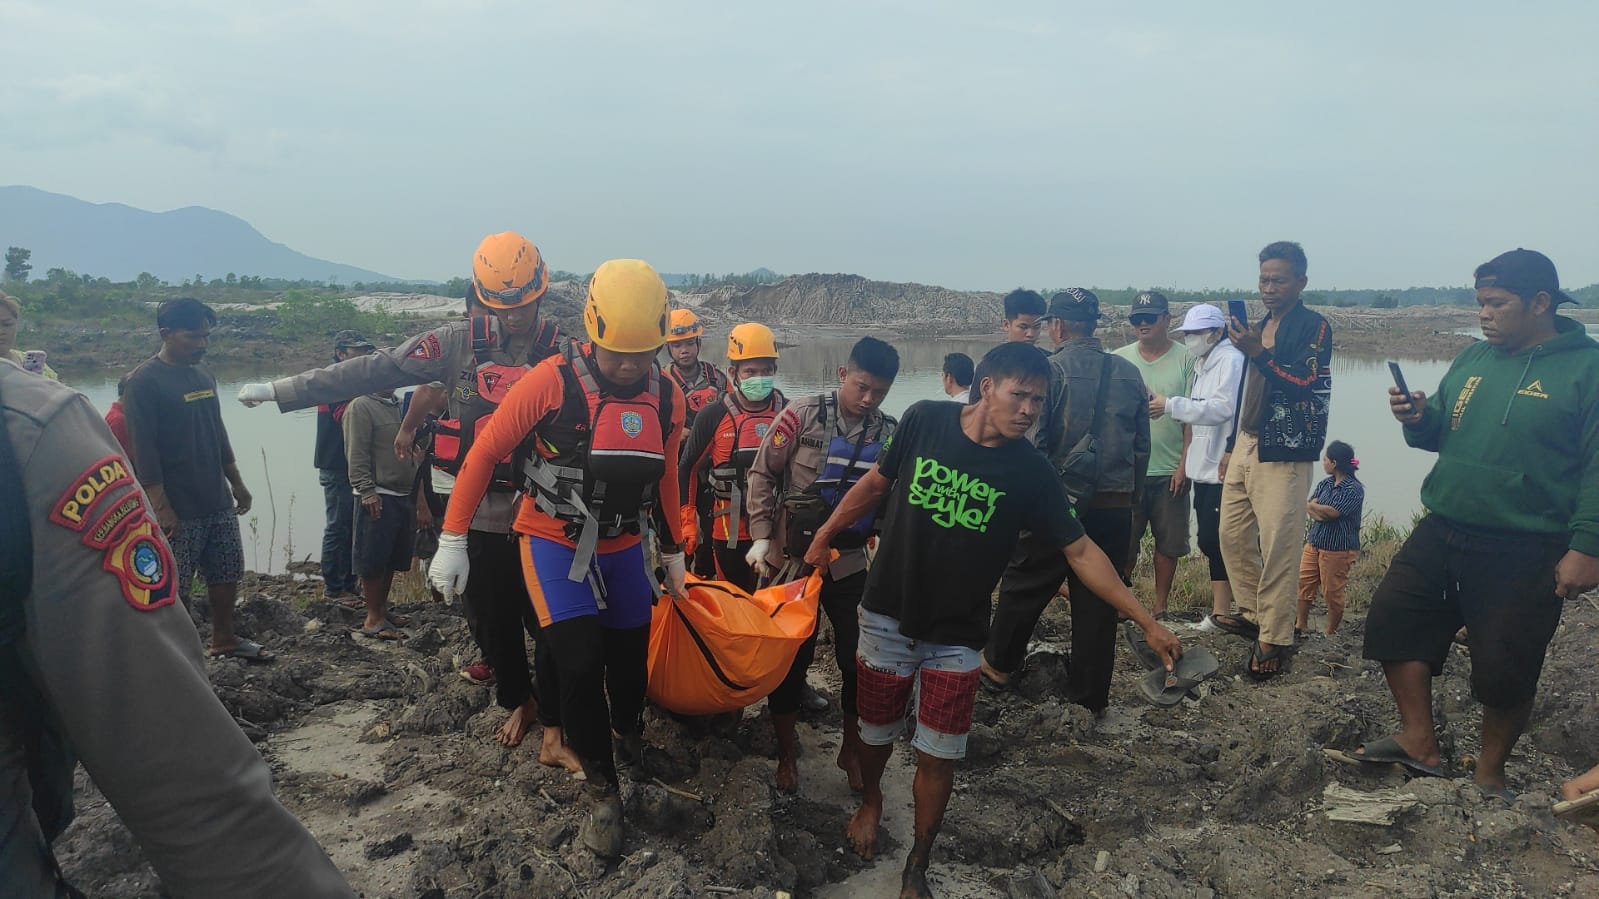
[890,664]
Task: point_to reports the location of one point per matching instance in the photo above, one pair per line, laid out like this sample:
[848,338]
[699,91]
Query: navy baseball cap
[1075,304]
[1524,273]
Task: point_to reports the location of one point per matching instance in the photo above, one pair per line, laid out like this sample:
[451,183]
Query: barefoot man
[968,484]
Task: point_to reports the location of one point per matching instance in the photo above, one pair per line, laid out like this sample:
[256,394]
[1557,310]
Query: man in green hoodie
[1512,524]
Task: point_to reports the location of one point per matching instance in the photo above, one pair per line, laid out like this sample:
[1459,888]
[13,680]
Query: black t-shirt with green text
[954,515]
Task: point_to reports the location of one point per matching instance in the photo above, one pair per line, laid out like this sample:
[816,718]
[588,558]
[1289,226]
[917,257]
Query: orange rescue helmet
[751,341]
[685,325]
[508,271]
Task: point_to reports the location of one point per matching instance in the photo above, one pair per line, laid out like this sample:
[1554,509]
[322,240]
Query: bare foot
[517,726]
[554,752]
[862,830]
[849,761]
[913,884]
[787,776]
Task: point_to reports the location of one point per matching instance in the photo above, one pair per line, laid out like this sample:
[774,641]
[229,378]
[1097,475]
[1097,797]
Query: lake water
[274,449]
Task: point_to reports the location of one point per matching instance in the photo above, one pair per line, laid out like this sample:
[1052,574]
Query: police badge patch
[143,566]
[632,424]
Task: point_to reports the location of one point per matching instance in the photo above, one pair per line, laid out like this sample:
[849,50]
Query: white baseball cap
[1202,317]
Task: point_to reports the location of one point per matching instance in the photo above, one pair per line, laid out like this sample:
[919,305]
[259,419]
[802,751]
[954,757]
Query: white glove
[676,573]
[450,565]
[756,558]
[253,395]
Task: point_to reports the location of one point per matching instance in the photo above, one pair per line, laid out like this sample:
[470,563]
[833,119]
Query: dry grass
[1191,588]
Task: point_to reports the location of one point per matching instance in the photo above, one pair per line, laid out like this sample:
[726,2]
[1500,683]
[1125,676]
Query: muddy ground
[389,758]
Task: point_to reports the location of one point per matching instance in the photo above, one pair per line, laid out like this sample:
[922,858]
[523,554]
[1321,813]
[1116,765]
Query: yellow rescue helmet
[627,307]
[685,325]
[751,341]
[508,271]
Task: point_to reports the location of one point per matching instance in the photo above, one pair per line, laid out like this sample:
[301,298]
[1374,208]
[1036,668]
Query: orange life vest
[731,459]
[594,462]
[489,383]
[697,398]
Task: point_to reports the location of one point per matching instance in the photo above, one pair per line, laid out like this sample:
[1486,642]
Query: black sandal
[1252,666]
[1237,625]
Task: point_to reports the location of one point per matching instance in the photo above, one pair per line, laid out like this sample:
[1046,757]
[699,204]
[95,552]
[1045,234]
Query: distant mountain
[119,242]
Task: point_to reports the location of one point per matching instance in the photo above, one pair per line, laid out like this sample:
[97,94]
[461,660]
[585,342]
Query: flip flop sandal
[1237,625]
[351,604]
[248,651]
[1140,646]
[1258,658]
[384,631]
[1167,688]
[1386,751]
[1503,794]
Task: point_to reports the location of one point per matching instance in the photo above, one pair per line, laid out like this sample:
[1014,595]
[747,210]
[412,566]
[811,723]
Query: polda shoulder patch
[87,490]
[141,561]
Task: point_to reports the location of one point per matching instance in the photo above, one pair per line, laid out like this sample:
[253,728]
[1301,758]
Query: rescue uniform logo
[426,348]
[762,429]
[632,424]
[86,491]
[779,439]
[143,566]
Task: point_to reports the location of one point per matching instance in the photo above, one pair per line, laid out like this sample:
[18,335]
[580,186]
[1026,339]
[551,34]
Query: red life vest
[698,398]
[490,381]
[599,457]
[730,462]
[730,465]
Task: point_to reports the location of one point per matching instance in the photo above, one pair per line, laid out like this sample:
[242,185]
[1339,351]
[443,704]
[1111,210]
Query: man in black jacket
[1103,490]
[1266,474]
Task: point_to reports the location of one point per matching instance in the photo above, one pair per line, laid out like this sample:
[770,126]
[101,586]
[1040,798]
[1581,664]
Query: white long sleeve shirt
[1210,407]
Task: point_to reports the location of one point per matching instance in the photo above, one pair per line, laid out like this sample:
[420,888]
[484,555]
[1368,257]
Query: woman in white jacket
[1210,407]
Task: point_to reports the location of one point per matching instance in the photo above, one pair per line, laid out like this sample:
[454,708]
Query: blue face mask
[757,389]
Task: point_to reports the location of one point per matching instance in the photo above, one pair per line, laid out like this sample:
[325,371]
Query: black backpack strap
[483,339]
[1104,392]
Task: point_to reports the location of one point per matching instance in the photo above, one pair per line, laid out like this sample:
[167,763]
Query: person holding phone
[1512,524]
[31,361]
[1266,473]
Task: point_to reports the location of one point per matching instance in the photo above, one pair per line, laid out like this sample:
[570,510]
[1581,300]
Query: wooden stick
[683,793]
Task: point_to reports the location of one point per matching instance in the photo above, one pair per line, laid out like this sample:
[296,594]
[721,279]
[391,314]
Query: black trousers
[1207,511]
[732,567]
[499,611]
[841,600]
[1031,581]
[602,673]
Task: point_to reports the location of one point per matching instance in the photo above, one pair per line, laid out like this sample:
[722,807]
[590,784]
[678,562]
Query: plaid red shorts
[889,665]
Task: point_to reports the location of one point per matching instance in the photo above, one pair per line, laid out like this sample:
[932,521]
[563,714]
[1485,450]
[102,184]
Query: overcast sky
[974,145]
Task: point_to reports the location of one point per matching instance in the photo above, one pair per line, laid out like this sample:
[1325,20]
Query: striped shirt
[1343,532]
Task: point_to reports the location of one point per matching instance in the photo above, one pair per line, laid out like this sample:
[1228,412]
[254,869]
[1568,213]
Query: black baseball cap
[352,340]
[1150,302]
[1075,304]
[1523,273]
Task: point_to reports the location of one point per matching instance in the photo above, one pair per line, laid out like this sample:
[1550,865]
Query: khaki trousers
[1262,534]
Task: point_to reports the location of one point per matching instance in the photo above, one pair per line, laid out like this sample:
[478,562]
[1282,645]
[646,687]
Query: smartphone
[1399,377]
[33,360]
[1399,381]
[1237,309]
